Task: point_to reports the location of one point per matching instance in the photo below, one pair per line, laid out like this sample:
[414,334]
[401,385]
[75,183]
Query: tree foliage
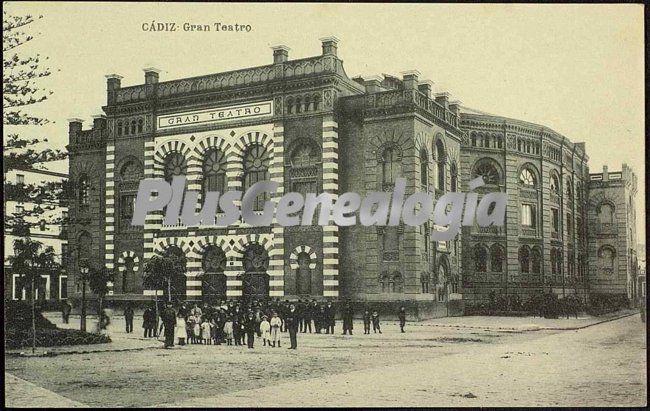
[20,90]
[30,259]
[160,271]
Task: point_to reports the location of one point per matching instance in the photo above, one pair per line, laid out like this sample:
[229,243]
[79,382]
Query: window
[453,171]
[535,259]
[441,158]
[441,284]
[524,259]
[175,165]
[391,165]
[488,171]
[140,125]
[127,205]
[214,172]
[256,169]
[304,168]
[555,184]
[606,213]
[424,280]
[18,291]
[383,282]
[556,261]
[496,258]
[397,283]
[65,254]
[119,128]
[571,263]
[569,225]
[20,179]
[528,215]
[63,287]
[569,191]
[424,169]
[606,258]
[83,193]
[480,258]
[555,219]
[527,178]
[133,127]
[427,239]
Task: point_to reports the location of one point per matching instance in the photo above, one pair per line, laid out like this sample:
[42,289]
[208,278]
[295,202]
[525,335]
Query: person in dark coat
[149,322]
[128,317]
[300,309]
[330,322]
[348,318]
[168,317]
[319,319]
[66,308]
[375,322]
[250,328]
[291,321]
[367,318]
[402,318]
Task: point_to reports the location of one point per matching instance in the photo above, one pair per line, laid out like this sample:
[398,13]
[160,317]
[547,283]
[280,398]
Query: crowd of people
[237,323]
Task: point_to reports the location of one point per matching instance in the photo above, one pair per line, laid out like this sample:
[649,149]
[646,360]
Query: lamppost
[83,270]
[28,265]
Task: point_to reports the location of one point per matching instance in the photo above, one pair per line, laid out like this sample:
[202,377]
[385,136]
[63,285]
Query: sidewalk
[23,394]
[522,324]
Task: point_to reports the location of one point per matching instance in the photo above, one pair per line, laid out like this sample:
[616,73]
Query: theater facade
[310,128]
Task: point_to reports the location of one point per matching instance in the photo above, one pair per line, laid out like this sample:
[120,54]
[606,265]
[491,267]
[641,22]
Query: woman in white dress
[180,331]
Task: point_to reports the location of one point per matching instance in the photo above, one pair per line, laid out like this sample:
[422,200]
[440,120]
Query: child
[191,320]
[228,330]
[197,332]
[265,330]
[236,330]
[206,332]
[275,324]
[213,331]
[366,321]
[375,322]
[181,329]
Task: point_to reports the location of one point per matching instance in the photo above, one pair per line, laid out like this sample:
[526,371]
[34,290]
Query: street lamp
[84,275]
[28,266]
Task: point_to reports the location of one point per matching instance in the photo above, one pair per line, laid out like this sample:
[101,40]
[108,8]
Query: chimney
[280,54]
[74,126]
[329,45]
[454,107]
[150,75]
[425,87]
[605,174]
[372,84]
[410,79]
[113,82]
[443,99]
[99,122]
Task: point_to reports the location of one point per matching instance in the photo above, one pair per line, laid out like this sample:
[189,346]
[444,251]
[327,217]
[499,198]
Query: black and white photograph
[224,205]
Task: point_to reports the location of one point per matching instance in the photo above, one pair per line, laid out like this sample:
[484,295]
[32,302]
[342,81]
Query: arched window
[453,171]
[289,103]
[606,259]
[304,168]
[524,259]
[316,102]
[424,281]
[496,258]
[606,213]
[480,258]
[175,165]
[140,125]
[256,168]
[119,128]
[487,170]
[441,159]
[441,284]
[527,178]
[579,192]
[555,184]
[569,191]
[213,280]
[383,282]
[535,259]
[83,196]
[391,165]
[214,171]
[424,169]
[397,283]
[84,248]
[133,127]
[129,174]
[473,139]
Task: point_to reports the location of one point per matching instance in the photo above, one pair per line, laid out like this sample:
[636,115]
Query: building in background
[543,245]
[45,228]
[613,262]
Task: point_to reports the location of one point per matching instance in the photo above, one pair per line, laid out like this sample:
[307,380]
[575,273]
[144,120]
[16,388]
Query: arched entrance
[213,280]
[442,280]
[303,274]
[255,280]
[178,286]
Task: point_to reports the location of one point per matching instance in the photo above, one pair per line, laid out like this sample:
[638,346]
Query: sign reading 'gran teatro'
[213,115]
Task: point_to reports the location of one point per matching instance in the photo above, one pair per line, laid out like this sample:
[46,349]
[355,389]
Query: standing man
[291,321]
[402,317]
[168,317]
[348,318]
[308,315]
[330,322]
[128,318]
[65,311]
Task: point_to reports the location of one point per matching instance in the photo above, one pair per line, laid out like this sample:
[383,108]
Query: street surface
[432,364]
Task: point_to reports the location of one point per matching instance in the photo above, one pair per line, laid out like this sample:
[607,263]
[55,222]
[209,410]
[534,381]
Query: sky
[578,69]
